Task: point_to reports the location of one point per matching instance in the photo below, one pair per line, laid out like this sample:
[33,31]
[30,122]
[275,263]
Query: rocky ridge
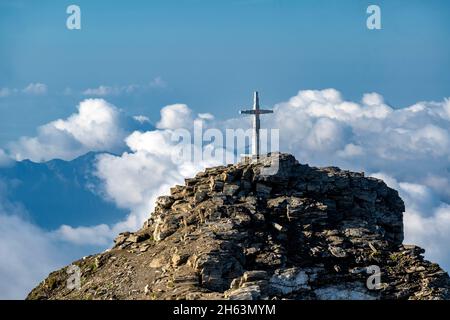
[272,229]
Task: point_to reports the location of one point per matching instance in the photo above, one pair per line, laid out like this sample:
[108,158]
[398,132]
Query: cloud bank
[27,253]
[95,127]
[105,90]
[35,89]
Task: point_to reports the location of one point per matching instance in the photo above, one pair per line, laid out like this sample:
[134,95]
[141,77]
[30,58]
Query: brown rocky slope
[246,231]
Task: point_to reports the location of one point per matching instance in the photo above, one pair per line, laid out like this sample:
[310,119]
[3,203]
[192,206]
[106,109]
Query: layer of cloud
[175,116]
[427,218]
[105,90]
[100,235]
[27,256]
[95,127]
[40,89]
[141,119]
[102,91]
[35,88]
[27,253]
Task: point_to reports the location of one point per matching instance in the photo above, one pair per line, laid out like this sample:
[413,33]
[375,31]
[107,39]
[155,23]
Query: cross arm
[247,112]
[265,111]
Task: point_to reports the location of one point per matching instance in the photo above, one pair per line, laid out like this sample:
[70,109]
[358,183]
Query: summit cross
[256,111]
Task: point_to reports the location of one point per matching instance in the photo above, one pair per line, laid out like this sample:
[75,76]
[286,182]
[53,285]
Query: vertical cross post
[256,111]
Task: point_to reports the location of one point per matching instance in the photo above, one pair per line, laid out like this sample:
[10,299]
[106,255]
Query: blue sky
[212,54]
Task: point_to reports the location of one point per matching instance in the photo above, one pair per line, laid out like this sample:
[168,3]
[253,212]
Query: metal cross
[256,111]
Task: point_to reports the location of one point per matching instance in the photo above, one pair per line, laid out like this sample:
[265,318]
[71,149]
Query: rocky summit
[271,229]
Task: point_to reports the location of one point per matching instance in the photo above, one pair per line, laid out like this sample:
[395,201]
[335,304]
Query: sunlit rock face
[266,229]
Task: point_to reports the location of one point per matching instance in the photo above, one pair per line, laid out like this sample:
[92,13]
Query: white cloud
[175,116]
[158,82]
[326,134]
[27,254]
[35,89]
[95,127]
[105,90]
[141,119]
[102,91]
[350,151]
[100,235]
[31,89]
[372,99]
[431,232]
[426,220]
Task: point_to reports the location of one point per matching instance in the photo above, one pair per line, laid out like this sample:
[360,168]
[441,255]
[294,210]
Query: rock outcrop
[275,229]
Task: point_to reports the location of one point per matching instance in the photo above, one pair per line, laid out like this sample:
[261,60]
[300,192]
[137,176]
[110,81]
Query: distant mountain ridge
[60,192]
